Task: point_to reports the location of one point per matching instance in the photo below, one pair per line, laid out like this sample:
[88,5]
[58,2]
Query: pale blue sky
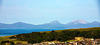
[43,11]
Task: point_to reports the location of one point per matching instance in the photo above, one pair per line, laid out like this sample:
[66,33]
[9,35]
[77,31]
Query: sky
[44,11]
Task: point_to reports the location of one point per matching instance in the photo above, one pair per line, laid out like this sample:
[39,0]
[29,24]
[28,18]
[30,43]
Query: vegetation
[6,39]
[7,43]
[59,35]
[70,40]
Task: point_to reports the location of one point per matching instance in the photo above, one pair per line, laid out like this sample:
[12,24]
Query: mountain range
[52,25]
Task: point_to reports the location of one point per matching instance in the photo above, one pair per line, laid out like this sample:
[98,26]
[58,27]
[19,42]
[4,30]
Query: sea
[8,32]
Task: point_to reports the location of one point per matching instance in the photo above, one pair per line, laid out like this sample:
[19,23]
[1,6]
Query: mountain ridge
[51,25]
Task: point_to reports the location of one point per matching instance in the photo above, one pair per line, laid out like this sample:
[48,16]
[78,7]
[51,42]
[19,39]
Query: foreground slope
[59,35]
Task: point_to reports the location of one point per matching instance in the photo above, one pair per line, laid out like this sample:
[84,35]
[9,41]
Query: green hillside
[59,35]
[7,38]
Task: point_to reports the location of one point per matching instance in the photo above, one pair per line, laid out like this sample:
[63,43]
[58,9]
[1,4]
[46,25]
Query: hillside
[6,38]
[59,35]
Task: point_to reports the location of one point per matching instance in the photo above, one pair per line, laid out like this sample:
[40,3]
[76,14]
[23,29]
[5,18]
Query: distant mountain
[75,22]
[95,22]
[82,24]
[18,25]
[22,24]
[52,25]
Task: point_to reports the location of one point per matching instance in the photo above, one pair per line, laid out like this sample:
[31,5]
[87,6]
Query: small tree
[52,31]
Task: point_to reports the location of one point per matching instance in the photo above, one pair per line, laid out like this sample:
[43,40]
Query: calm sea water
[7,32]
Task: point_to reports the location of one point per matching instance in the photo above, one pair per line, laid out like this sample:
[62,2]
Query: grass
[70,40]
[6,38]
